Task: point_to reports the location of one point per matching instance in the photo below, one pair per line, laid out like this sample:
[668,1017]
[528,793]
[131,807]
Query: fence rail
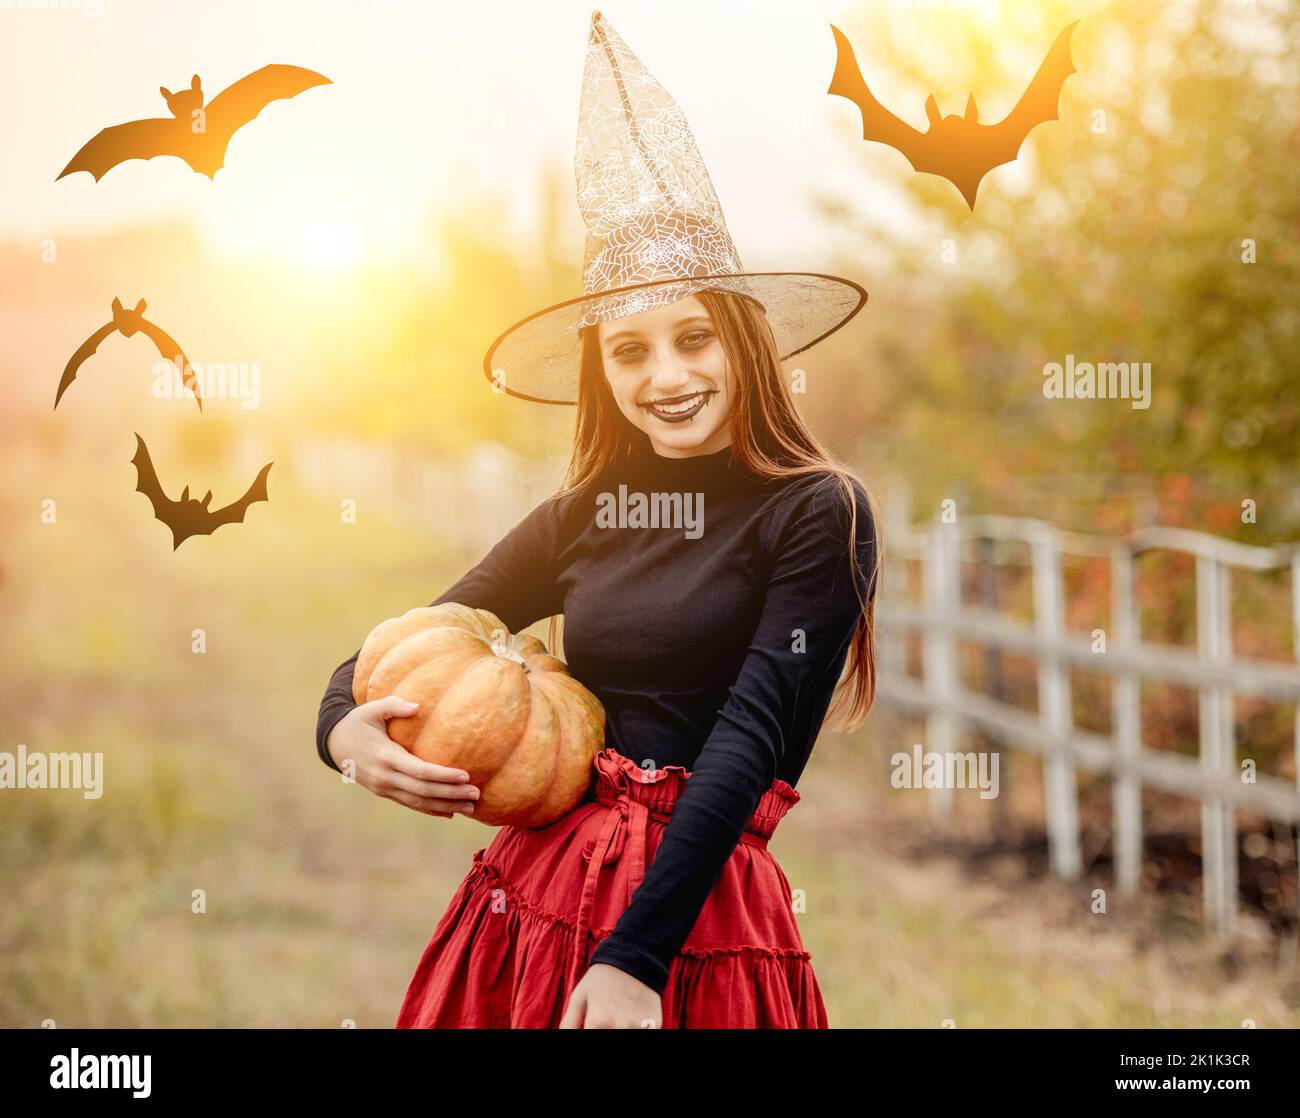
[1214,777]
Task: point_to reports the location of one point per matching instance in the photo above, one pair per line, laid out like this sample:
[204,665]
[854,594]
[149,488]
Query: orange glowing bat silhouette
[959,149]
[127,322]
[195,132]
[187,516]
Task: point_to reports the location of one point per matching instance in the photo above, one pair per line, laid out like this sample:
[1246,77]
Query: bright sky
[431,102]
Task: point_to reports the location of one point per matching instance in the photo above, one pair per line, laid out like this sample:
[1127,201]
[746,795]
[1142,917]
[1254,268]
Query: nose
[670,373]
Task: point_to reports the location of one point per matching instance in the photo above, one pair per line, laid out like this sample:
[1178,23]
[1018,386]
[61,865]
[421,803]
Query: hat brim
[539,357]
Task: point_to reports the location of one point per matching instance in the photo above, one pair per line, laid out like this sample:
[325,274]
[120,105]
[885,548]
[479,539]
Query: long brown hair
[768,437]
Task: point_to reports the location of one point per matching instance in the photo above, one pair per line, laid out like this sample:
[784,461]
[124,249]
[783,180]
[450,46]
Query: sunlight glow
[316,227]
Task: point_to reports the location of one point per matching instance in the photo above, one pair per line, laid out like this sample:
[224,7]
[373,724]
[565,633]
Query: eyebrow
[676,325]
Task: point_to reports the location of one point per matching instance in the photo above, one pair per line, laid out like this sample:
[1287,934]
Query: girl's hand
[608,998]
[388,770]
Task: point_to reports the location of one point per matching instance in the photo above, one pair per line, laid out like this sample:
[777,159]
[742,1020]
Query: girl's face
[669,376]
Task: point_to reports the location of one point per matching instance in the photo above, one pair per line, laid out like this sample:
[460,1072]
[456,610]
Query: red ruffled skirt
[516,936]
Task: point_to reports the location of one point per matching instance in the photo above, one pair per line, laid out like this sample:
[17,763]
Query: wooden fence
[1214,777]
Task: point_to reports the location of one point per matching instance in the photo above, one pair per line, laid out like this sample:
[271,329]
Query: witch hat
[655,234]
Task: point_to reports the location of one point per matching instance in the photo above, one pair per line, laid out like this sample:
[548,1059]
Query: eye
[634,351]
[628,352]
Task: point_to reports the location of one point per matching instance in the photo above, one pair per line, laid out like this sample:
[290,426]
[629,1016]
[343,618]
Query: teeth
[674,409]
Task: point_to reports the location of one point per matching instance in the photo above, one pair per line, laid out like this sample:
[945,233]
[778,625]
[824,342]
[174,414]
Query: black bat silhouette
[196,134]
[186,516]
[959,149]
[127,323]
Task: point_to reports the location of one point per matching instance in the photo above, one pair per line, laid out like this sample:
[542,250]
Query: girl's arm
[514,580]
[810,589]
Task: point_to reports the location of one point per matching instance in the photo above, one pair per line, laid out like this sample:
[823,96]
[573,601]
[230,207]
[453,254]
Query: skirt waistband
[636,796]
[620,778]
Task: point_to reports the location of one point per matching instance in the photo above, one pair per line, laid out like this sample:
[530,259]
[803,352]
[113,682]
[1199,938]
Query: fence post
[1060,790]
[993,684]
[942,588]
[1126,803]
[1218,752]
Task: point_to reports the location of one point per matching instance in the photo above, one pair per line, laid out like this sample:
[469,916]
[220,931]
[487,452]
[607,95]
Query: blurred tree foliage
[1124,236]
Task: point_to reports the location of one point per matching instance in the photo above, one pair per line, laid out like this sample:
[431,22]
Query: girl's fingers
[411,765]
[429,789]
[428,805]
[391,706]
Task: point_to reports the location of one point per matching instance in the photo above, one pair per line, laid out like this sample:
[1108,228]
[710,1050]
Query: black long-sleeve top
[716,649]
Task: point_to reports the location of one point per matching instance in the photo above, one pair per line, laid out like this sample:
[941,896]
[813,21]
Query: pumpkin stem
[504,647]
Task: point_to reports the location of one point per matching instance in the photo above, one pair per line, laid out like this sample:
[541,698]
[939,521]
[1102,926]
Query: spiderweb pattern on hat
[644,192]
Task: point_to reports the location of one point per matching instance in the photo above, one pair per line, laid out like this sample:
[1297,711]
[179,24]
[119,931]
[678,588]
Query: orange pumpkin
[497,705]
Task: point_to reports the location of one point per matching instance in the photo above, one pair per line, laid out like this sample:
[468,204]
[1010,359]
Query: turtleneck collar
[694,470]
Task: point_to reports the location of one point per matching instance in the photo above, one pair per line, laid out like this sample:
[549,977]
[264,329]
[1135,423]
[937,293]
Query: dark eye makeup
[624,352]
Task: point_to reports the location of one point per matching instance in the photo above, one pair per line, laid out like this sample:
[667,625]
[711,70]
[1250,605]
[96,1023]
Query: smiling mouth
[678,409]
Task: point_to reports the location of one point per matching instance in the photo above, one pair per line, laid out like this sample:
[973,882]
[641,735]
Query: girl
[717,640]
